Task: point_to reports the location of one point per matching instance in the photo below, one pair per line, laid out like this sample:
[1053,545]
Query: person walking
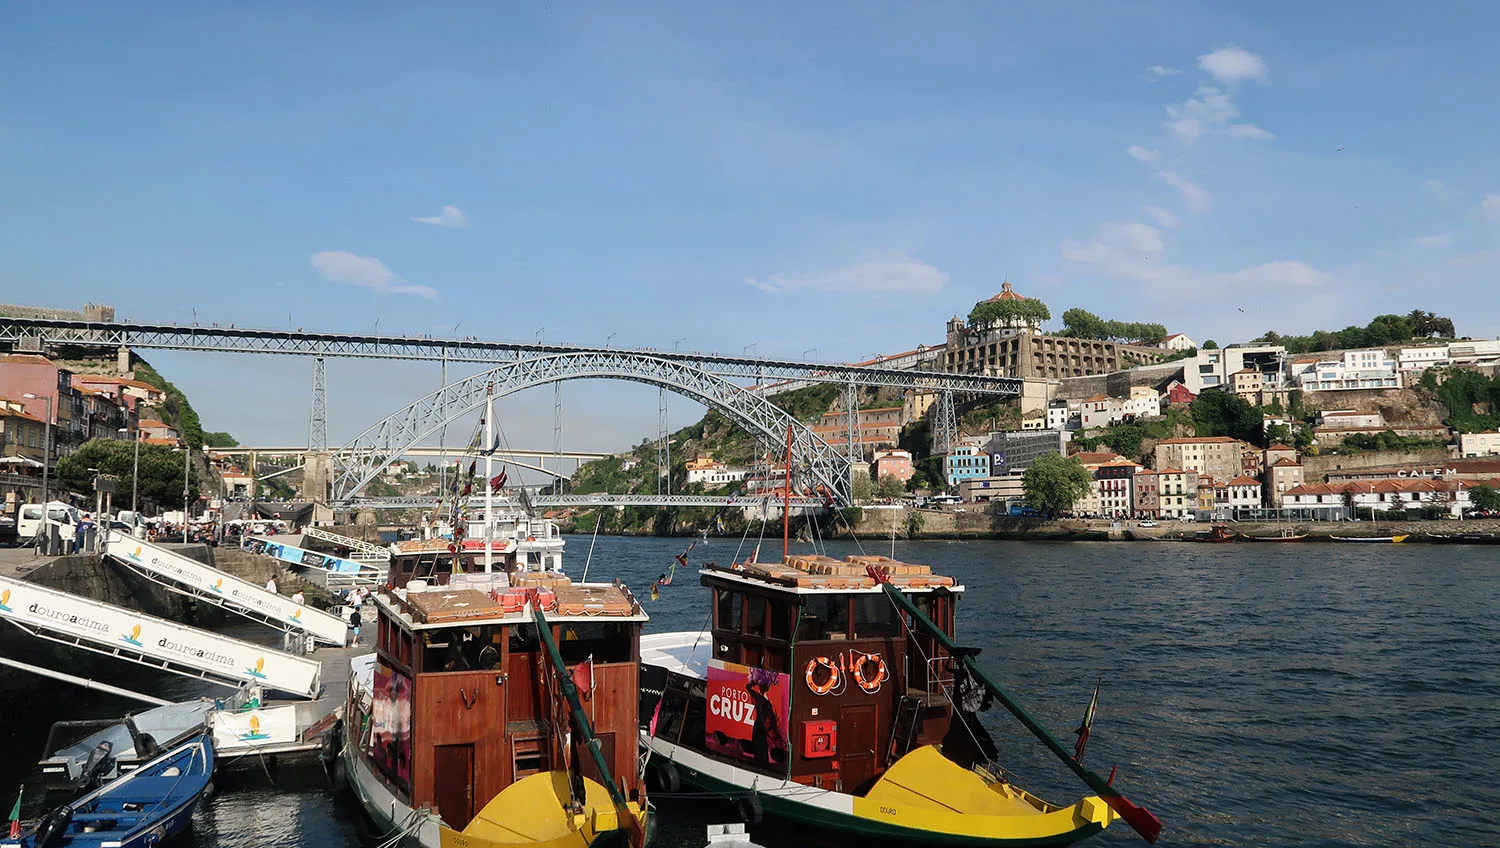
[298,599]
[271,585]
[354,623]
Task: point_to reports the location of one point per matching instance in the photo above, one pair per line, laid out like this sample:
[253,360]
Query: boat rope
[399,832]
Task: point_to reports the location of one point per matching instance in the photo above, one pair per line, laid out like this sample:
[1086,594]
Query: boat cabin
[518,544]
[463,700]
[813,674]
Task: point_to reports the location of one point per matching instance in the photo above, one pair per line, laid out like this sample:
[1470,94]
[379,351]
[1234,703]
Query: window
[824,617]
[727,613]
[755,616]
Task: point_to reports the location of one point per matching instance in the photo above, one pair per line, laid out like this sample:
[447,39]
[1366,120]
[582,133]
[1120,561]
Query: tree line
[1082,324]
[1381,331]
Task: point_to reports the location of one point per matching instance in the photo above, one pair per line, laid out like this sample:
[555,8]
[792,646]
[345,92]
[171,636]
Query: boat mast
[489,474]
[786,499]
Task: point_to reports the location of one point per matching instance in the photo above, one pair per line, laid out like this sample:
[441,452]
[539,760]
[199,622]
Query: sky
[817,181]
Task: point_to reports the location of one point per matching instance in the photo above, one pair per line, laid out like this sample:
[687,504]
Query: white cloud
[451,216]
[1248,131]
[1232,64]
[1289,274]
[1489,207]
[1143,154]
[1439,240]
[1134,251]
[1156,72]
[1441,188]
[1164,219]
[1198,199]
[340,266]
[895,274]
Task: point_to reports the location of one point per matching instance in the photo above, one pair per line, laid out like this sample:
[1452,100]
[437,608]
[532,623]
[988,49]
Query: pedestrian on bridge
[271,585]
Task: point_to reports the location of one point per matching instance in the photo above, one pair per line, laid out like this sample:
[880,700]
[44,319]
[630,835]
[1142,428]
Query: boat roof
[814,574]
[427,608]
[685,652]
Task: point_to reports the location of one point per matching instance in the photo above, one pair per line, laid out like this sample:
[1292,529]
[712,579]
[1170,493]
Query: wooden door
[856,745]
[453,784]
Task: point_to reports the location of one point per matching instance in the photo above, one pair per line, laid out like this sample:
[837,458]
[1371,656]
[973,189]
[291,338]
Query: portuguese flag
[15,815]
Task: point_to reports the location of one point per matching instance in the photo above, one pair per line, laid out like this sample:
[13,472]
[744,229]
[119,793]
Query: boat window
[874,616]
[451,649]
[605,641]
[824,617]
[674,703]
[523,639]
[727,615]
[775,660]
[755,616]
[695,720]
[781,621]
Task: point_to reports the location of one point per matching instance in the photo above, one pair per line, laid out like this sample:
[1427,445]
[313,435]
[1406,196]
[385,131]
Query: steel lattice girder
[363,458]
[37,333]
[543,501]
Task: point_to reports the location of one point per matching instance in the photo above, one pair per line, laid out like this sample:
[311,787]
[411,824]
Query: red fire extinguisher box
[820,739]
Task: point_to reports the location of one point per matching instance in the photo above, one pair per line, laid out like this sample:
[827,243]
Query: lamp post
[135,470]
[187,456]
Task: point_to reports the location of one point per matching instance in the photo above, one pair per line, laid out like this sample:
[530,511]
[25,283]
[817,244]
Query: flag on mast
[15,815]
[1088,723]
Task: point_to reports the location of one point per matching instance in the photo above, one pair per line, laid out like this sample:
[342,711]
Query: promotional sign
[748,712]
[255,728]
[128,632]
[390,718]
[231,590]
[294,555]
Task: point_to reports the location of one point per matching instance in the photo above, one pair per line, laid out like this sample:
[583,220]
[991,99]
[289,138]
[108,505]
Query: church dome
[1007,293]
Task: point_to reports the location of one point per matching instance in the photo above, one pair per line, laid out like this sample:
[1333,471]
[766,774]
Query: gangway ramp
[155,642]
[209,584]
[331,572]
[359,549]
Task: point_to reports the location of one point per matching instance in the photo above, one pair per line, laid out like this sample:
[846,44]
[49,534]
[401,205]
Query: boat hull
[1376,540]
[837,817]
[384,807]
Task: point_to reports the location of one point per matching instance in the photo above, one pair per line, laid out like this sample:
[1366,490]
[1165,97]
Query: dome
[1007,293]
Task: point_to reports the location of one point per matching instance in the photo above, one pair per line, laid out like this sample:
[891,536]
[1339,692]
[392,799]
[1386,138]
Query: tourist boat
[1284,535]
[140,809]
[1397,539]
[466,728]
[1217,533]
[819,699]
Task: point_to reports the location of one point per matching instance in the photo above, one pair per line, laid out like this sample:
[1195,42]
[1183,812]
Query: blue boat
[140,809]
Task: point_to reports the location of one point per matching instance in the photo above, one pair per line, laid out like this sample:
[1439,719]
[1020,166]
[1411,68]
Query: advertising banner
[390,719]
[255,728]
[231,590]
[748,713]
[129,632]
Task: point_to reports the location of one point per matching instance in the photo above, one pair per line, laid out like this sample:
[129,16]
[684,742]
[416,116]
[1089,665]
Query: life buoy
[835,676]
[870,672]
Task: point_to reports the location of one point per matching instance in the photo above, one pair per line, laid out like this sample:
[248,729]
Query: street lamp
[46,453]
[135,470]
[187,455]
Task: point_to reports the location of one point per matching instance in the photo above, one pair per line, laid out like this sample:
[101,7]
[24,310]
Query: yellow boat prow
[1396,540]
[926,791]
[533,812]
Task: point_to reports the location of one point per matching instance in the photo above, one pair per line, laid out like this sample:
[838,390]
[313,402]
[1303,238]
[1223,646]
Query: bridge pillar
[122,360]
[364,516]
[317,484]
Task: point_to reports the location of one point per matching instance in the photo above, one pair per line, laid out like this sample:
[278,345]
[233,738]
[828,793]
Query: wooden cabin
[464,700]
[862,687]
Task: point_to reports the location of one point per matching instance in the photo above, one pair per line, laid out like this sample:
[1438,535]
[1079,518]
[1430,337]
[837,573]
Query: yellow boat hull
[924,791]
[533,812]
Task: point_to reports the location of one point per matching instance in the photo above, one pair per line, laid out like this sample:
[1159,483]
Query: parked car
[7,531]
[1147,523]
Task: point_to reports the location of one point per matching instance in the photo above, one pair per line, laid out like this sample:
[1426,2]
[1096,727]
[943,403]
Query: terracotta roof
[1171,471]
[1393,427]
[1191,440]
[1096,457]
[1280,447]
[17,414]
[1243,480]
[1006,293]
[24,359]
[152,422]
[172,442]
[1287,463]
[1172,336]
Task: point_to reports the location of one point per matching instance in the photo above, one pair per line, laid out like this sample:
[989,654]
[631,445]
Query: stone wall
[1315,468]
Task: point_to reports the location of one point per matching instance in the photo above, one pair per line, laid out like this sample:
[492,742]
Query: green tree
[1054,484]
[860,487]
[991,313]
[1210,345]
[889,487]
[220,440]
[1082,324]
[1219,413]
[1485,498]
[160,470]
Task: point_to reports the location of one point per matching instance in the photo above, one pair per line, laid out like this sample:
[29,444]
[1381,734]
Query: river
[1268,695]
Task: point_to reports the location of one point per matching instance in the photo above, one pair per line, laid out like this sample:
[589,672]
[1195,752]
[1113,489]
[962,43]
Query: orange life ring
[870,682]
[835,677]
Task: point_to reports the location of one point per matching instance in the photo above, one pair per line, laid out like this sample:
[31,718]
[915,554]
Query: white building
[1356,369]
[717,475]
[1348,418]
[1178,341]
[1212,368]
[1418,359]
[1244,493]
[1476,353]
[1059,416]
[1479,444]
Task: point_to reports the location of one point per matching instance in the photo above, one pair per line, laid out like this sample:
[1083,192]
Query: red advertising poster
[748,710]
[391,719]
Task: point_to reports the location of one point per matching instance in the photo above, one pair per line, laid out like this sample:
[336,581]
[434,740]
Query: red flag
[876,575]
[583,675]
[473,466]
[468,487]
[498,481]
[1088,723]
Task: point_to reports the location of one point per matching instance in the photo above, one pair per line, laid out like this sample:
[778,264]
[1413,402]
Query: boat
[499,707]
[142,808]
[117,746]
[1217,533]
[1284,535]
[829,698]
[1397,539]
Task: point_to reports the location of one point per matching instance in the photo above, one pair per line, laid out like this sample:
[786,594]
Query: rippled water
[1282,695]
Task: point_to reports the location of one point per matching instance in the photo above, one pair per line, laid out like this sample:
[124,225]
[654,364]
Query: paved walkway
[19,562]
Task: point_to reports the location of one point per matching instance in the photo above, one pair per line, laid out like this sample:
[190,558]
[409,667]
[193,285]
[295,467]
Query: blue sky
[790,176]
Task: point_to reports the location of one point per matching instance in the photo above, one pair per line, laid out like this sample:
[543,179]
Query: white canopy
[19,460]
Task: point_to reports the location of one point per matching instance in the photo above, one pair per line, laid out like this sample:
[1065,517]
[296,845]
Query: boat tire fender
[750,809]
[330,750]
[340,774]
[53,827]
[668,781]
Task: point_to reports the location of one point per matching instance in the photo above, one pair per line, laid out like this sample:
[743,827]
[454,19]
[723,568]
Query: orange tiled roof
[1243,480]
[1280,447]
[1287,463]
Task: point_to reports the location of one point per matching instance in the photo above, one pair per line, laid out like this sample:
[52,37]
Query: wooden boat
[1217,533]
[463,729]
[139,809]
[1397,539]
[1287,535]
[818,699]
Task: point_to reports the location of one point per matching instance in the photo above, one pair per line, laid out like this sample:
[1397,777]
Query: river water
[1267,695]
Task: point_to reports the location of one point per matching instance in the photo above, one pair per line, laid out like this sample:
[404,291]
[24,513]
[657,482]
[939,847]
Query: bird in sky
[1240,308]
[1340,150]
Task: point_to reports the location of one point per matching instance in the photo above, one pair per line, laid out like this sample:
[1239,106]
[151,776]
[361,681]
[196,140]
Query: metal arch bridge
[602,500]
[363,459]
[36,334]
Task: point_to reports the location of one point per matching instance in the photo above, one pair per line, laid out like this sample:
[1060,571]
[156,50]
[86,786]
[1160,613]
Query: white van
[29,522]
[132,520]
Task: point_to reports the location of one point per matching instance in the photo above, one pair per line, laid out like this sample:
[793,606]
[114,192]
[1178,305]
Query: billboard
[748,713]
[390,720]
[118,630]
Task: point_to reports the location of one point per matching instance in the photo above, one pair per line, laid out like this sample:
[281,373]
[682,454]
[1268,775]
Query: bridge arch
[368,454]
